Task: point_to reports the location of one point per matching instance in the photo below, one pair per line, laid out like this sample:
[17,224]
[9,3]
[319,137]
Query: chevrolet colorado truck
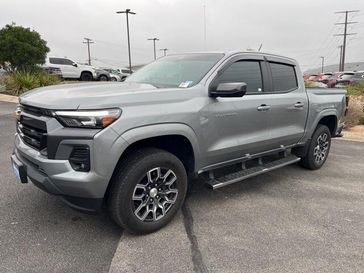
[134,147]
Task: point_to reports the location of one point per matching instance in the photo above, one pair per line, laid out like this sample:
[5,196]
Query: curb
[8,98]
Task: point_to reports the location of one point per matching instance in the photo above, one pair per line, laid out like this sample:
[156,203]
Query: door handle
[263,107]
[299,105]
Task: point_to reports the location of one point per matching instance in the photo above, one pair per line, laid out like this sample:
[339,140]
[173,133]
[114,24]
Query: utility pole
[88,41]
[345,34]
[341,58]
[127,12]
[204,26]
[154,39]
[322,64]
[164,51]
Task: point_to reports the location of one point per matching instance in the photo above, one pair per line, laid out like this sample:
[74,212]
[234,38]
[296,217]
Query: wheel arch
[327,117]
[178,139]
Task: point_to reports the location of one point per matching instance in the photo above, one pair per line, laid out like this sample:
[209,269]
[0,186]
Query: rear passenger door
[288,102]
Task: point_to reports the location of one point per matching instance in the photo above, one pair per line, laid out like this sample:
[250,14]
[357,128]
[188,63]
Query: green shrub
[361,119]
[356,89]
[19,82]
[46,79]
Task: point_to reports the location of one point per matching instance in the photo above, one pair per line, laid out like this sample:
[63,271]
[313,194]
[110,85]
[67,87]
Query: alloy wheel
[320,150]
[155,194]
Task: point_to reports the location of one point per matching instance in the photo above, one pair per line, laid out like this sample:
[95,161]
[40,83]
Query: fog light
[80,158]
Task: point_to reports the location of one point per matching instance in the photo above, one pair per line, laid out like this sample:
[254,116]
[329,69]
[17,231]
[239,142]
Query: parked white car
[115,76]
[72,70]
[124,72]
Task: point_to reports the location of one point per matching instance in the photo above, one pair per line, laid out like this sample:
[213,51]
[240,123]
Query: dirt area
[355,133]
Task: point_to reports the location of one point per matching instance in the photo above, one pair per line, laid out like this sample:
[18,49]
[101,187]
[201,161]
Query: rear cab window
[284,77]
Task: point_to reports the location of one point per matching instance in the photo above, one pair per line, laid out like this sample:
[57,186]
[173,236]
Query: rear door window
[283,76]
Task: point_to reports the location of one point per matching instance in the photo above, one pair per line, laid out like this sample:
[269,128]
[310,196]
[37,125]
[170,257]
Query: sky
[303,30]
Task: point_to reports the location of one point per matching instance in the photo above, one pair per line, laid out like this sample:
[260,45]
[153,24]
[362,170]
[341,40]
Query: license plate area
[20,170]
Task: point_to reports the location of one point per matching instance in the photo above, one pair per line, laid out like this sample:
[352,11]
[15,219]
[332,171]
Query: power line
[345,34]
[88,41]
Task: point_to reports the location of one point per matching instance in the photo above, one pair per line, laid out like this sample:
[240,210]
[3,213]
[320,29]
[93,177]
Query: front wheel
[148,188]
[318,149]
[86,76]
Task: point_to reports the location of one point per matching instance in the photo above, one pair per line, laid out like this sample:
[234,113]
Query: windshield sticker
[185,84]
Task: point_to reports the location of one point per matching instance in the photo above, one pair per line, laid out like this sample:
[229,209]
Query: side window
[55,61]
[244,71]
[67,62]
[283,76]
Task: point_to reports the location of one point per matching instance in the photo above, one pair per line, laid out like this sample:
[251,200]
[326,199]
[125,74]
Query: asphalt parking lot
[289,220]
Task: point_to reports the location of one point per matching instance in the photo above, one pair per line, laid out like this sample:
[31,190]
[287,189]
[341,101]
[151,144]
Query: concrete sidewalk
[8,98]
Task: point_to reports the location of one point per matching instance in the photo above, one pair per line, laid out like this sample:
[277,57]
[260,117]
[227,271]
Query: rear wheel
[318,149]
[147,190]
[103,78]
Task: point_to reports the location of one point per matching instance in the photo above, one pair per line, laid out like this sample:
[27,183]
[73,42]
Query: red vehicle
[312,77]
[333,79]
[323,77]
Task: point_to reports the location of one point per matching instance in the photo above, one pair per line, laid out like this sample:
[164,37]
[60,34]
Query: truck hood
[87,95]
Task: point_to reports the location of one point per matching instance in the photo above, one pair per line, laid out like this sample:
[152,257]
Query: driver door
[238,126]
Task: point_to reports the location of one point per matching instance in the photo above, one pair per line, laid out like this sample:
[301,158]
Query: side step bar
[231,178]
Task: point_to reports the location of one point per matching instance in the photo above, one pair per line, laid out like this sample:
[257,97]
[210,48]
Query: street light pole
[322,64]
[164,51]
[154,39]
[127,12]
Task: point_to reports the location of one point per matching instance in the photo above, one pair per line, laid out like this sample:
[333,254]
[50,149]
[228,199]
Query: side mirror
[229,90]
[74,64]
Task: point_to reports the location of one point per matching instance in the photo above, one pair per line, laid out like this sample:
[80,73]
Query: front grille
[36,110]
[33,132]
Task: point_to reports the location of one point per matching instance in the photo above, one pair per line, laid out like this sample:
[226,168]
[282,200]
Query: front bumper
[54,174]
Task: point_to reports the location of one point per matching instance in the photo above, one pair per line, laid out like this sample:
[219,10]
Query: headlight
[88,118]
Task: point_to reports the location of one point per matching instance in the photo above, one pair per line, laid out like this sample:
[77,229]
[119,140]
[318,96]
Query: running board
[231,178]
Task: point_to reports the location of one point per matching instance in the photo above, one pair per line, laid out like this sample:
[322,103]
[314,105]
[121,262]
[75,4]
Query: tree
[21,47]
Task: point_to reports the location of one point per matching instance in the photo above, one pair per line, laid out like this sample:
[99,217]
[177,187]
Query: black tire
[314,160]
[103,78]
[133,170]
[86,76]
[113,79]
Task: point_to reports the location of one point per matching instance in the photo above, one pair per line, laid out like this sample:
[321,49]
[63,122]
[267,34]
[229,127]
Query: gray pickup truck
[133,147]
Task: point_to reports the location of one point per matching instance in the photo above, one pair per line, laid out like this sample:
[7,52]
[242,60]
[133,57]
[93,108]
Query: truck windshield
[176,70]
